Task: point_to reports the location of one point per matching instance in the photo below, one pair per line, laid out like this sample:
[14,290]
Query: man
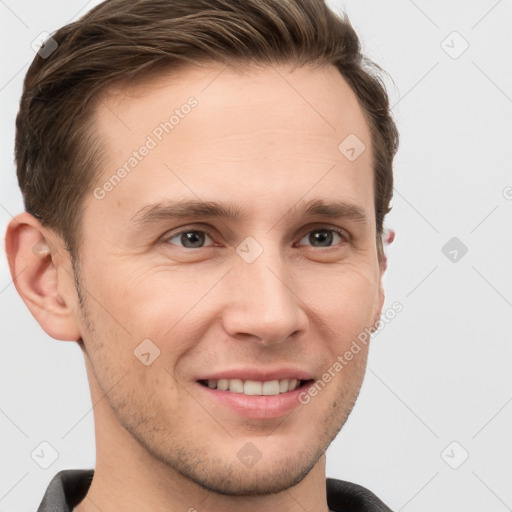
[205,185]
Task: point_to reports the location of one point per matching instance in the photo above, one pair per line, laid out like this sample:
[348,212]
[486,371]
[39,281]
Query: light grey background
[440,371]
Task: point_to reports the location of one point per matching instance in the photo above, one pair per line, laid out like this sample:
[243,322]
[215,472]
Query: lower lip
[257,406]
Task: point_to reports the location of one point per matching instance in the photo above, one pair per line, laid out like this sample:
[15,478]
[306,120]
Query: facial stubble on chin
[227,476]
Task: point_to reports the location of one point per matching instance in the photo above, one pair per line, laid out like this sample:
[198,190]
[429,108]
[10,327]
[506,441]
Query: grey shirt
[69,487]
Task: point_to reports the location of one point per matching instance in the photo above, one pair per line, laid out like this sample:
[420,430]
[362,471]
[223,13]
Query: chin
[237,480]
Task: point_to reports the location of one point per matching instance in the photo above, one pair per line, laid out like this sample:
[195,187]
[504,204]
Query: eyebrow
[173,210]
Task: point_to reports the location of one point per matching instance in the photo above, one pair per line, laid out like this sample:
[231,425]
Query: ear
[381,296]
[388,238]
[37,262]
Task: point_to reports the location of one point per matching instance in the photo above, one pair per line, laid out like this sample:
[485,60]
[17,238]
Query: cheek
[137,298]
[131,381]
[344,300]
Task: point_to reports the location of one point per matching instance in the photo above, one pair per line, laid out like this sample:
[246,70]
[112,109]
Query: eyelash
[345,237]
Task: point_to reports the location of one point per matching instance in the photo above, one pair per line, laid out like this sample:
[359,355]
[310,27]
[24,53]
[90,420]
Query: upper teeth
[253,387]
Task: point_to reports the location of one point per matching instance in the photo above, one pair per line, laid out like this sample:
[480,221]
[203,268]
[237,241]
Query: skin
[265,139]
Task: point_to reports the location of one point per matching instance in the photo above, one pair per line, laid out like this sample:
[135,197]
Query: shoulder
[343,496]
[66,489]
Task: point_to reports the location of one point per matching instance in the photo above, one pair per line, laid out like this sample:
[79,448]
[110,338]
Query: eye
[318,237]
[324,236]
[191,238]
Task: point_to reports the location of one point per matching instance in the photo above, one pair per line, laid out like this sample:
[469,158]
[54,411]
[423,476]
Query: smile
[254,387]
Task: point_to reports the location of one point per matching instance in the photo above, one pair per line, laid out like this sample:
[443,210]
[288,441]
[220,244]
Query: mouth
[254,399]
[255,387]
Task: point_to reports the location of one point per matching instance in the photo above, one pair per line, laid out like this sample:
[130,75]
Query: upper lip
[259,374]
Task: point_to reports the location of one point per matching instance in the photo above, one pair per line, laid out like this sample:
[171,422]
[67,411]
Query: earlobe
[34,267]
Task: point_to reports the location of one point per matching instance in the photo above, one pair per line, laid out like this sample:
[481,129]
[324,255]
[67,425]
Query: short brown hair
[56,153]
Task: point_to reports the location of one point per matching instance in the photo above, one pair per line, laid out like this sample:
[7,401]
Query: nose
[264,303]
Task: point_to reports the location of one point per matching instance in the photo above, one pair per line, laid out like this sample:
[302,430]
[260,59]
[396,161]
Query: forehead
[206,131]
[318,99]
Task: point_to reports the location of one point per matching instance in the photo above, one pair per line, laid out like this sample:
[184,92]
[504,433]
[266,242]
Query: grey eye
[322,237]
[191,239]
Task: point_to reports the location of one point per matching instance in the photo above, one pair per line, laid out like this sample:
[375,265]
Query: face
[178,300]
